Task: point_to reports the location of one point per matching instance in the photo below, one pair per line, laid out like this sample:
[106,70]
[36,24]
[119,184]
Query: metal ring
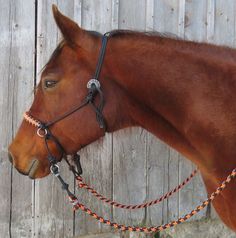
[45,132]
[93,81]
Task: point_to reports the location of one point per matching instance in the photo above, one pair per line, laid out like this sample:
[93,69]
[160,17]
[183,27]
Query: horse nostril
[10,157]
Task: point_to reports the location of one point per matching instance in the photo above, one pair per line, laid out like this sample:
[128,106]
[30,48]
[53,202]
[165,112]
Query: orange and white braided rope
[81,184]
[31,120]
[77,205]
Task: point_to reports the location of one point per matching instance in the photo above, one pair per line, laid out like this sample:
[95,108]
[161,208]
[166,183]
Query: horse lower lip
[33,168]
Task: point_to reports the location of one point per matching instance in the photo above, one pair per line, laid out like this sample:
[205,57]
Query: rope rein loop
[79,206]
[83,185]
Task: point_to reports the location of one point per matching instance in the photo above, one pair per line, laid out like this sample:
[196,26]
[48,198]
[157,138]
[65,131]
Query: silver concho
[93,81]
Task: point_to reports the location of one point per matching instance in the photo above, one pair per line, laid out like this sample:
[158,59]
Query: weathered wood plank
[210,20]
[96,158]
[129,174]
[196,30]
[149,21]
[224,33]
[53,214]
[157,167]
[6,110]
[157,152]
[22,70]
[169,17]
[196,20]
[129,146]
[224,22]
[132,14]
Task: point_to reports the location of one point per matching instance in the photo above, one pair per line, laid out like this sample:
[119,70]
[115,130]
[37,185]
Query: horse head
[62,87]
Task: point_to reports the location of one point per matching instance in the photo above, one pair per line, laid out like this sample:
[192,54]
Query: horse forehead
[62,57]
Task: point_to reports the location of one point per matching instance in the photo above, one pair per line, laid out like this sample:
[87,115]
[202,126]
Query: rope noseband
[43,131]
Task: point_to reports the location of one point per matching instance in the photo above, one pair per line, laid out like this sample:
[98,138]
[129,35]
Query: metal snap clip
[55,169]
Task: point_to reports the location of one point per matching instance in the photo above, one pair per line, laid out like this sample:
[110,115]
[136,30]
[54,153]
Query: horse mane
[123,33]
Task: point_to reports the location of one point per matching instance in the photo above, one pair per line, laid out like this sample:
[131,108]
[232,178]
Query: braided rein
[77,205]
[83,185]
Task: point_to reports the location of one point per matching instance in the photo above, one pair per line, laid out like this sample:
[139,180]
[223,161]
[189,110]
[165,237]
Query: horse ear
[71,32]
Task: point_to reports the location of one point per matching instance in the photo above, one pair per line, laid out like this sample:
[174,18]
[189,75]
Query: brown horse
[182,92]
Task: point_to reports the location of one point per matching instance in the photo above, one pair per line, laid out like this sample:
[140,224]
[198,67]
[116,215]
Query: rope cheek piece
[43,131]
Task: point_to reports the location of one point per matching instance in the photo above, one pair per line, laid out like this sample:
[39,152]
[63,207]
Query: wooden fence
[131,166]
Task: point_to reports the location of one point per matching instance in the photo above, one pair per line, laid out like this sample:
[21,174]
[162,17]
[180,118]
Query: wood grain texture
[224,22]
[224,33]
[129,146]
[196,29]
[53,214]
[6,111]
[96,158]
[22,71]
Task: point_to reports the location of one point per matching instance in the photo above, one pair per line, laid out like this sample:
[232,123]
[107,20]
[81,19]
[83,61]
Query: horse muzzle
[31,169]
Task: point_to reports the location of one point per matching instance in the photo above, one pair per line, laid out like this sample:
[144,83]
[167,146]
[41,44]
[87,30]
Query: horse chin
[37,170]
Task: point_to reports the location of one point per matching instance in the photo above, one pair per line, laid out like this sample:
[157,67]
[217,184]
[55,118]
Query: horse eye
[50,83]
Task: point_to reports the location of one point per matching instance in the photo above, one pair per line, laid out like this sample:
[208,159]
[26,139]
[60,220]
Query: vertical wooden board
[96,158]
[157,154]
[78,11]
[224,33]
[69,9]
[149,21]
[22,70]
[54,215]
[210,20]
[97,165]
[157,182]
[129,146]
[132,14]
[97,15]
[169,17]
[129,173]
[224,22]
[173,181]
[196,30]
[6,110]
[195,20]
[210,38]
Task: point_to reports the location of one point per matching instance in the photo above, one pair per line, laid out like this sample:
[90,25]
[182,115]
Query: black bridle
[94,89]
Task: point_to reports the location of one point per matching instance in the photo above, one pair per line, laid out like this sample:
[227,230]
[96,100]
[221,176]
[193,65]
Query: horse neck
[165,78]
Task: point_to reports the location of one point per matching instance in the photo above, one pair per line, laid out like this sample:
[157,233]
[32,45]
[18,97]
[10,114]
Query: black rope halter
[94,89]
